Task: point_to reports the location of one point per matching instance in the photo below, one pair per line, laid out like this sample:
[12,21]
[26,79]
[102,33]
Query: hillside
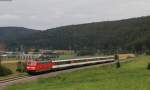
[125,34]
[12,36]
[130,34]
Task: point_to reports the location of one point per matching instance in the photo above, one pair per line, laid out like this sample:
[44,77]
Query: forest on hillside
[130,35]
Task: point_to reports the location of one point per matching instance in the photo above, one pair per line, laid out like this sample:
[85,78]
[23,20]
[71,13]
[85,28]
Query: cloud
[42,14]
[33,17]
[9,17]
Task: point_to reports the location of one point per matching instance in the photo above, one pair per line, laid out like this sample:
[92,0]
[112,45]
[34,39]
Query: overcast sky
[43,14]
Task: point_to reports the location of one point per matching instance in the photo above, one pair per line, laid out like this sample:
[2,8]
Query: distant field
[73,56]
[131,76]
[66,56]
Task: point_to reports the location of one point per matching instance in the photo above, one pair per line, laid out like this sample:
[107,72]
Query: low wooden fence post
[117,61]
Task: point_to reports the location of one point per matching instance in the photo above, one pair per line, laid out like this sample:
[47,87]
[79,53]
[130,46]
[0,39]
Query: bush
[148,66]
[147,52]
[4,71]
[21,67]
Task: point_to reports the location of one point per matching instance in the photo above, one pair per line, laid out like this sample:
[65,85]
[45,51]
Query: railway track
[13,79]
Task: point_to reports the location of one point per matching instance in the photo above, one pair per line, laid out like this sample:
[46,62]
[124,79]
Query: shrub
[147,52]
[148,66]
[4,71]
[118,65]
[21,67]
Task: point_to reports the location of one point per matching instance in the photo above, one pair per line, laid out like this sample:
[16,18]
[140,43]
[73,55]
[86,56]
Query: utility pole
[2,48]
[0,60]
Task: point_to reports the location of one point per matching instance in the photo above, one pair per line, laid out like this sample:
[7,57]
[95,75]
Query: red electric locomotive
[40,64]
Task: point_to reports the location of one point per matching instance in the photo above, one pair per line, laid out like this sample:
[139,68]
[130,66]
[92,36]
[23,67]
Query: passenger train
[45,63]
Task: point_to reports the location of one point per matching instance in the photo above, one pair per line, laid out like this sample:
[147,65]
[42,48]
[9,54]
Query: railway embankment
[131,75]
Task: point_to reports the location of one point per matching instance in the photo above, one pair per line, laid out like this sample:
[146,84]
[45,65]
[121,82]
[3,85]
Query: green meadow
[132,75]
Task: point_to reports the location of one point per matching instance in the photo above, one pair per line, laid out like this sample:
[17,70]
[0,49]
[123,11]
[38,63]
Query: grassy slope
[132,76]
[11,66]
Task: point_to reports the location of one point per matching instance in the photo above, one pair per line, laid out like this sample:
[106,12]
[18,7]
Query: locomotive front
[40,64]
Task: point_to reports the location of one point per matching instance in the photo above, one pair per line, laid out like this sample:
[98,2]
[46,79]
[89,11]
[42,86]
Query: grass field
[131,76]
